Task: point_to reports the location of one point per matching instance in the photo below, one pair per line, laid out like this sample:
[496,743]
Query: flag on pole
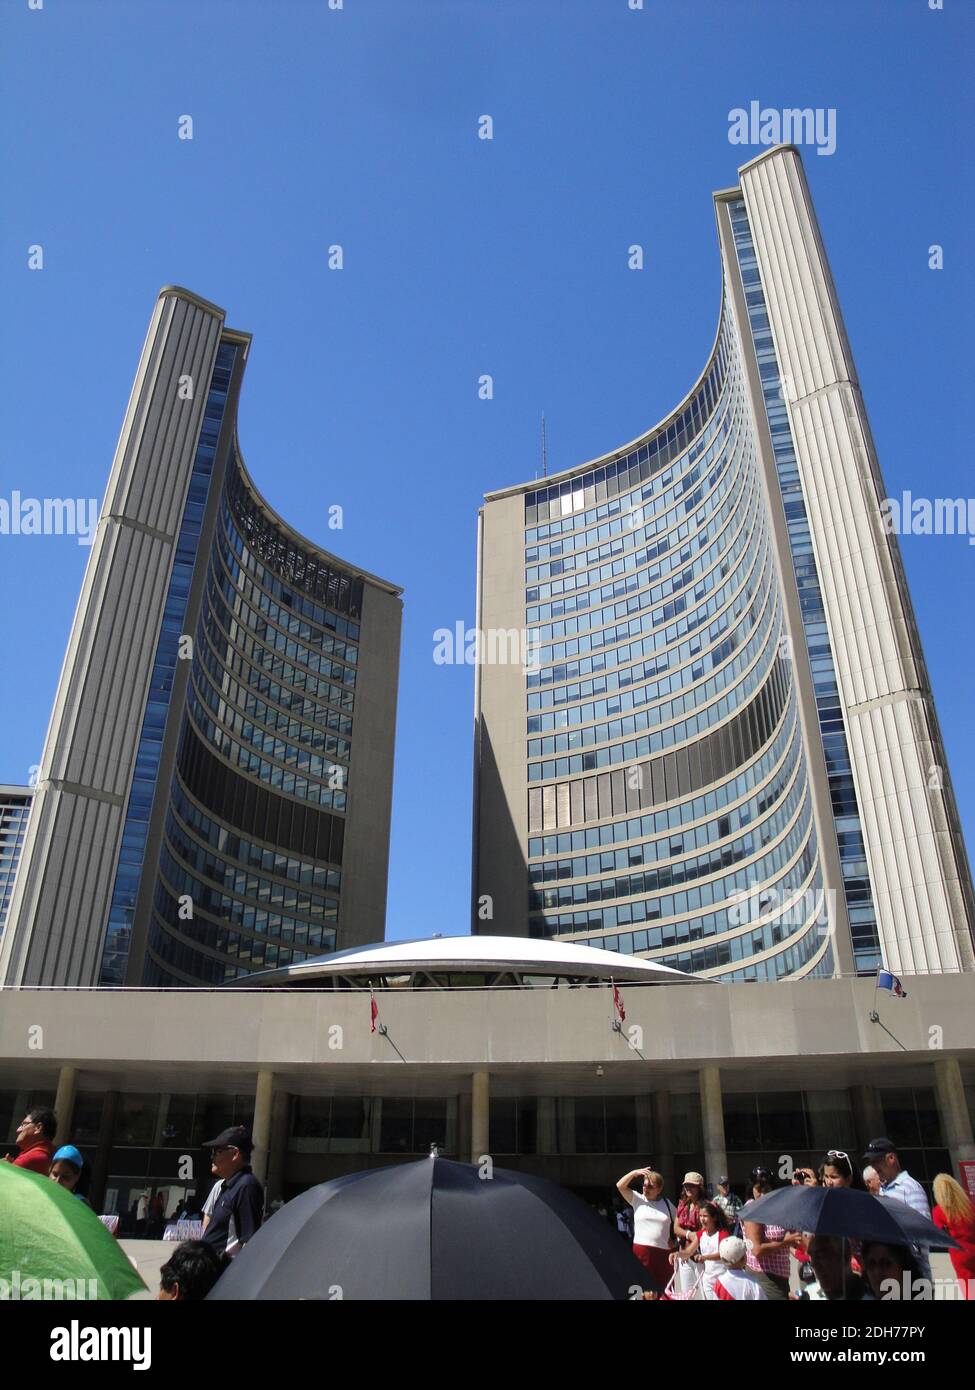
[373,1010]
[618,1004]
[885,980]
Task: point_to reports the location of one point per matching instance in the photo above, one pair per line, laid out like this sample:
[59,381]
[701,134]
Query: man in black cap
[897,1182]
[241,1198]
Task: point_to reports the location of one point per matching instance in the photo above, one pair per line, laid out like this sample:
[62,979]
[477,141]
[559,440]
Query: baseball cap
[732,1250]
[237,1137]
[69,1154]
[878,1147]
[723,1181]
[694,1177]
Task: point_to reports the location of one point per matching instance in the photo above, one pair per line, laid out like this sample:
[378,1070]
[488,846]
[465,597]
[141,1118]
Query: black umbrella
[435,1230]
[844,1211]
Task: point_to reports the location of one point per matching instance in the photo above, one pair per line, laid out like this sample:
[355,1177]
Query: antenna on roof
[544,450]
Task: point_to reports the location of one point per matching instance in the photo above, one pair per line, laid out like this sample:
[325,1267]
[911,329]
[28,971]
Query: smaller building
[489,1046]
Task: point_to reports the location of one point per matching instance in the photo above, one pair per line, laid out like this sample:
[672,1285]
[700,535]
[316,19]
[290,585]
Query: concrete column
[956,1123]
[712,1124]
[277,1148]
[64,1104]
[662,1156]
[480,1114]
[263,1102]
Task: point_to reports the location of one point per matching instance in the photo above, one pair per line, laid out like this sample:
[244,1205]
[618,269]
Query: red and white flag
[618,1004]
[373,1011]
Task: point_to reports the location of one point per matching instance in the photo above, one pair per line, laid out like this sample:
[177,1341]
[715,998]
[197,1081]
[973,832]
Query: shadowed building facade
[723,752]
[215,788]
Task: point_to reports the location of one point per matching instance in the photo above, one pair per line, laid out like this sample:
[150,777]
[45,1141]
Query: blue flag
[885,980]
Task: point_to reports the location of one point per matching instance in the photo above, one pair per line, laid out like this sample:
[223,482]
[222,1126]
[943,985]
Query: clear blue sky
[462,257]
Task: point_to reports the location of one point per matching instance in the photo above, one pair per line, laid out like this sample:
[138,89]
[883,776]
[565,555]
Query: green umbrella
[53,1246]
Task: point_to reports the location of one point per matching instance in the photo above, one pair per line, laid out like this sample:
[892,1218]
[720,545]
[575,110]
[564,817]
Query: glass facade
[143,790]
[669,811]
[248,828]
[14,810]
[856,879]
[253,832]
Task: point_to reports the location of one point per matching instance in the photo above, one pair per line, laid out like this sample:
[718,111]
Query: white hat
[732,1250]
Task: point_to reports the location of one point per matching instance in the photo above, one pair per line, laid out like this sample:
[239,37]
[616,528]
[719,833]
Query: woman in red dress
[955,1214]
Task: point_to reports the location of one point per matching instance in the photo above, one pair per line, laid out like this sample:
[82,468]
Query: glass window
[590,1135]
[685,1121]
[741,1121]
[830,1120]
[396,1129]
[782,1121]
[136,1119]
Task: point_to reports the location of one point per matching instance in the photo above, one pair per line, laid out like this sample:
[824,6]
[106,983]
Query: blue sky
[462,256]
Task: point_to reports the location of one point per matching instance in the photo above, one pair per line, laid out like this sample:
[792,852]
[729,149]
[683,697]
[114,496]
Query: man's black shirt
[242,1198]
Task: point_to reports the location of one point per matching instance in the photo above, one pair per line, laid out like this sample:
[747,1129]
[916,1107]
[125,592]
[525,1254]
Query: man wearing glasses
[240,1202]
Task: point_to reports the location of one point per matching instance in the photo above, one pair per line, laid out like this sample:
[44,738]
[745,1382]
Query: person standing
[690,1220]
[705,1247]
[955,1214]
[729,1202]
[830,1259]
[190,1274]
[768,1246]
[653,1222]
[241,1197]
[897,1182]
[35,1141]
[838,1170]
[736,1282]
[871,1180]
[67,1166]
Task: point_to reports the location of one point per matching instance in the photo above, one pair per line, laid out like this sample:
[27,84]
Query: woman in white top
[653,1222]
[704,1247]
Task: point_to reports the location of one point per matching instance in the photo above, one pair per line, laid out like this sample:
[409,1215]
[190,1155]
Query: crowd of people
[706,1247]
[233,1211]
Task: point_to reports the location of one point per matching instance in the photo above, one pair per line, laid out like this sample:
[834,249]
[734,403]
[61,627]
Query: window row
[229,842]
[559,499]
[238,587]
[719,923]
[297,680]
[320,577]
[651,622]
[234,879]
[669,737]
[668,710]
[673,844]
[674,776]
[306,788]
